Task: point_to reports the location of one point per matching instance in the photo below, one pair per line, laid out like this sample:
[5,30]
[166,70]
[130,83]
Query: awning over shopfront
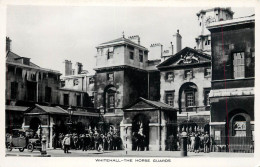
[15,108]
[46,110]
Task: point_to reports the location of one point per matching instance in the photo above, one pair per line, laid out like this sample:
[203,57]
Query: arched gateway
[147,118]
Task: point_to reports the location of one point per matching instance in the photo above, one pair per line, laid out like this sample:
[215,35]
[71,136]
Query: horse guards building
[209,88]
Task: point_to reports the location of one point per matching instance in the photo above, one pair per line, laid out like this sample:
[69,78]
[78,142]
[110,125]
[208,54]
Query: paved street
[122,153]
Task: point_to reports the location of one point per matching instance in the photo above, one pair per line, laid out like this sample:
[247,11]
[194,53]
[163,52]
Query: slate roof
[52,110]
[11,57]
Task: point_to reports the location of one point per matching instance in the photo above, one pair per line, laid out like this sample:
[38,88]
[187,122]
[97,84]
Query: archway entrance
[140,132]
[34,125]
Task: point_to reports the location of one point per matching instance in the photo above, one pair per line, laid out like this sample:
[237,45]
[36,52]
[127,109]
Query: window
[206,97]
[66,99]
[110,53]
[169,98]
[188,74]
[14,90]
[31,90]
[207,72]
[78,100]
[91,80]
[169,76]
[141,57]
[111,102]
[239,65]
[189,99]
[131,55]
[75,82]
[47,94]
[110,77]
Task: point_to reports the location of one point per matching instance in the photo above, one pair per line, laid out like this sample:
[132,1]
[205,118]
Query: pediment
[185,57]
[141,104]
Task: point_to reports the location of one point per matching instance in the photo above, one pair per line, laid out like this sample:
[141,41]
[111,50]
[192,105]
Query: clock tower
[205,17]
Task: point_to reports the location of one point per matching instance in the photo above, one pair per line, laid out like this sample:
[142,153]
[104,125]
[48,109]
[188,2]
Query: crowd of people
[88,141]
[196,142]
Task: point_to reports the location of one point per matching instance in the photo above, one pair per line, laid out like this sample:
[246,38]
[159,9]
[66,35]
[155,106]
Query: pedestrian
[201,142]
[192,142]
[83,142]
[197,144]
[206,143]
[100,142]
[87,142]
[188,142]
[66,143]
[170,142]
[76,141]
[109,141]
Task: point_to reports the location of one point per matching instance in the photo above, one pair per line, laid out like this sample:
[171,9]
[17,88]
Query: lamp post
[70,111]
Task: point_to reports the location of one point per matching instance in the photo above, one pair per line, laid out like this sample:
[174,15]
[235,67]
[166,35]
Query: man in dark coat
[206,143]
[197,144]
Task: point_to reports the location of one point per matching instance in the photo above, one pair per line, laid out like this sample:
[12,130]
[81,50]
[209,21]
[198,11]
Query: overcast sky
[50,35]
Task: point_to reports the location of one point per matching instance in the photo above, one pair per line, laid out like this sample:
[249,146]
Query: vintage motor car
[21,140]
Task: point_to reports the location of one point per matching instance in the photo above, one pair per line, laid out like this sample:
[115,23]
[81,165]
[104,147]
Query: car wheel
[9,147]
[30,147]
[21,149]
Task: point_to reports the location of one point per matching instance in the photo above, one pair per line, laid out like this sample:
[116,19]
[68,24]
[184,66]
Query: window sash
[169,99]
[239,65]
[190,99]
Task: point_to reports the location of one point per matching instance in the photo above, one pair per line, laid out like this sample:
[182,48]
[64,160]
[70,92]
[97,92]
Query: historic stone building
[77,87]
[185,85]
[233,77]
[122,77]
[27,84]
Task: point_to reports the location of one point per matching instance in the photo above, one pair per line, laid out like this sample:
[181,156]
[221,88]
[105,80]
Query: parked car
[19,140]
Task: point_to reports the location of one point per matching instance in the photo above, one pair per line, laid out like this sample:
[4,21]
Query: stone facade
[232,95]
[27,84]
[185,85]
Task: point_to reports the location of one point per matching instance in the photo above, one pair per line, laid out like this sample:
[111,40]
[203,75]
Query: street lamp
[70,111]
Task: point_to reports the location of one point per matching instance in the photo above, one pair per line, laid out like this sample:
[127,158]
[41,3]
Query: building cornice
[118,68]
[183,66]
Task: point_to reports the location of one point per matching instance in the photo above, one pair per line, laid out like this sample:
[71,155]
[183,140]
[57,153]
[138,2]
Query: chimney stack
[8,44]
[135,39]
[177,39]
[68,68]
[156,51]
[78,68]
